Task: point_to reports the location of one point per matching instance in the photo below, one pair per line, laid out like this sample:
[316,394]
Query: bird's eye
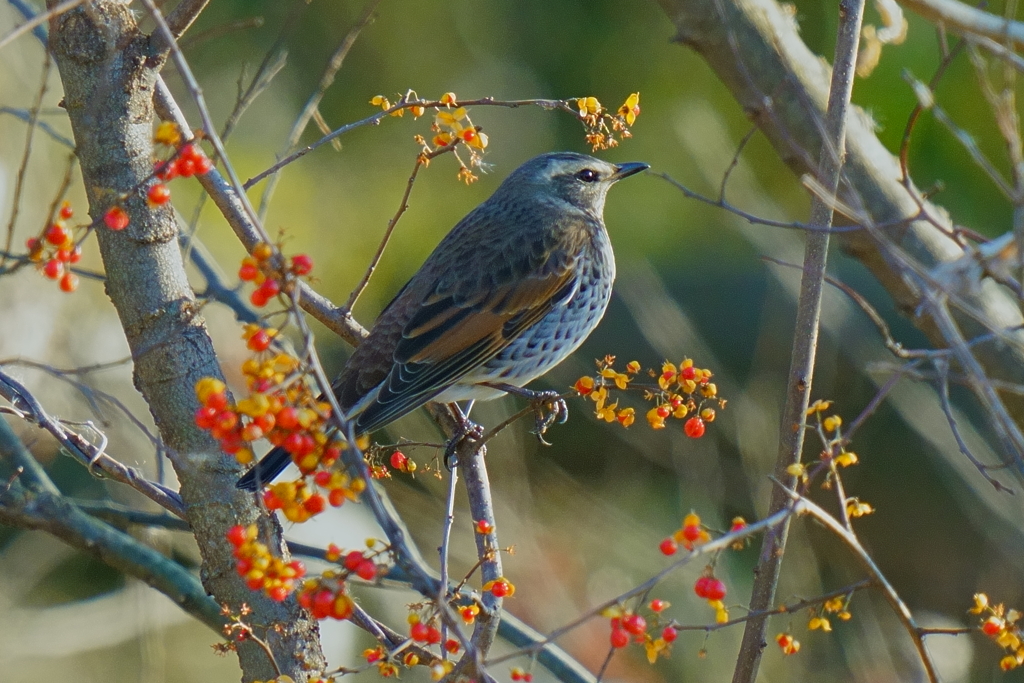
[588,175]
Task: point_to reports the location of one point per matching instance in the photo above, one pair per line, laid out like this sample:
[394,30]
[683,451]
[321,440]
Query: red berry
[53,269]
[264,293]
[76,255]
[56,235]
[270,287]
[367,570]
[691,532]
[716,589]
[694,428]
[259,341]
[254,583]
[992,626]
[165,171]
[66,211]
[264,422]
[158,194]
[293,444]
[288,418]
[323,603]
[619,638]
[258,299]
[236,535]
[668,634]
[658,605]
[635,624]
[399,460]
[271,500]
[700,587]
[69,282]
[226,420]
[418,631]
[186,168]
[203,165]
[297,567]
[248,272]
[32,243]
[668,547]
[302,264]
[205,417]
[452,646]
[315,504]
[322,478]
[500,589]
[336,497]
[353,559]
[687,373]
[63,255]
[433,635]
[116,218]
[217,401]
[278,593]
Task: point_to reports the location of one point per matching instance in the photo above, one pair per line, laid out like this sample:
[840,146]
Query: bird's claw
[549,407]
[467,430]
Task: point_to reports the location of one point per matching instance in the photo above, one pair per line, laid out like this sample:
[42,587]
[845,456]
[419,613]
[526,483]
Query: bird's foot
[548,406]
[467,430]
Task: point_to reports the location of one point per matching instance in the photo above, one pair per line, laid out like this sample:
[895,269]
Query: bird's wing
[477,292]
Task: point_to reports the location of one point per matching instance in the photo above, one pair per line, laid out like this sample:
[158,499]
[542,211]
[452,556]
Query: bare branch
[806,328]
[963,19]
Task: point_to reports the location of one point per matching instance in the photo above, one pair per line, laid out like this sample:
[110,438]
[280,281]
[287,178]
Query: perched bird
[507,295]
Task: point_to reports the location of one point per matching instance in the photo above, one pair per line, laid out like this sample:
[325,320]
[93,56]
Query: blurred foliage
[588,512]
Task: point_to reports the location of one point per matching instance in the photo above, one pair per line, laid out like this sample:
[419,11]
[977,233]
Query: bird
[510,292]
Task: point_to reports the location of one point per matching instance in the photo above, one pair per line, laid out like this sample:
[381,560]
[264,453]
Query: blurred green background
[586,514]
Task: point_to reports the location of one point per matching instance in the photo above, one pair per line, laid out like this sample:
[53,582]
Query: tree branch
[805,338]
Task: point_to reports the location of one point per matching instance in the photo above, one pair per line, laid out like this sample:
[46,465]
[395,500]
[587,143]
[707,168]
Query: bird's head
[577,179]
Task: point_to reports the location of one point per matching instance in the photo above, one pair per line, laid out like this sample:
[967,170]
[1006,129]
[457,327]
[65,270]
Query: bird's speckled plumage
[513,289]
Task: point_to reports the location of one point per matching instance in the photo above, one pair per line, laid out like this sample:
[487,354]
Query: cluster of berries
[261,569]
[57,249]
[655,632]
[678,392]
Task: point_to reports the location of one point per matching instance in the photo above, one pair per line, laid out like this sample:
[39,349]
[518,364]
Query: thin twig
[720,203]
[407,104]
[422,159]
[326,79]
[711,548]
[39,20]
[892,597]
[801,371]
[942,368]
[79,447]
[19,181]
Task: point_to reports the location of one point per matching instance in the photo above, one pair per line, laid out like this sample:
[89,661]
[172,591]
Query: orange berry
[262,251]
[69,282]
[56,235]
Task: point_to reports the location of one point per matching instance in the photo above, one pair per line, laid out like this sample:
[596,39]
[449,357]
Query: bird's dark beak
[626,170]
